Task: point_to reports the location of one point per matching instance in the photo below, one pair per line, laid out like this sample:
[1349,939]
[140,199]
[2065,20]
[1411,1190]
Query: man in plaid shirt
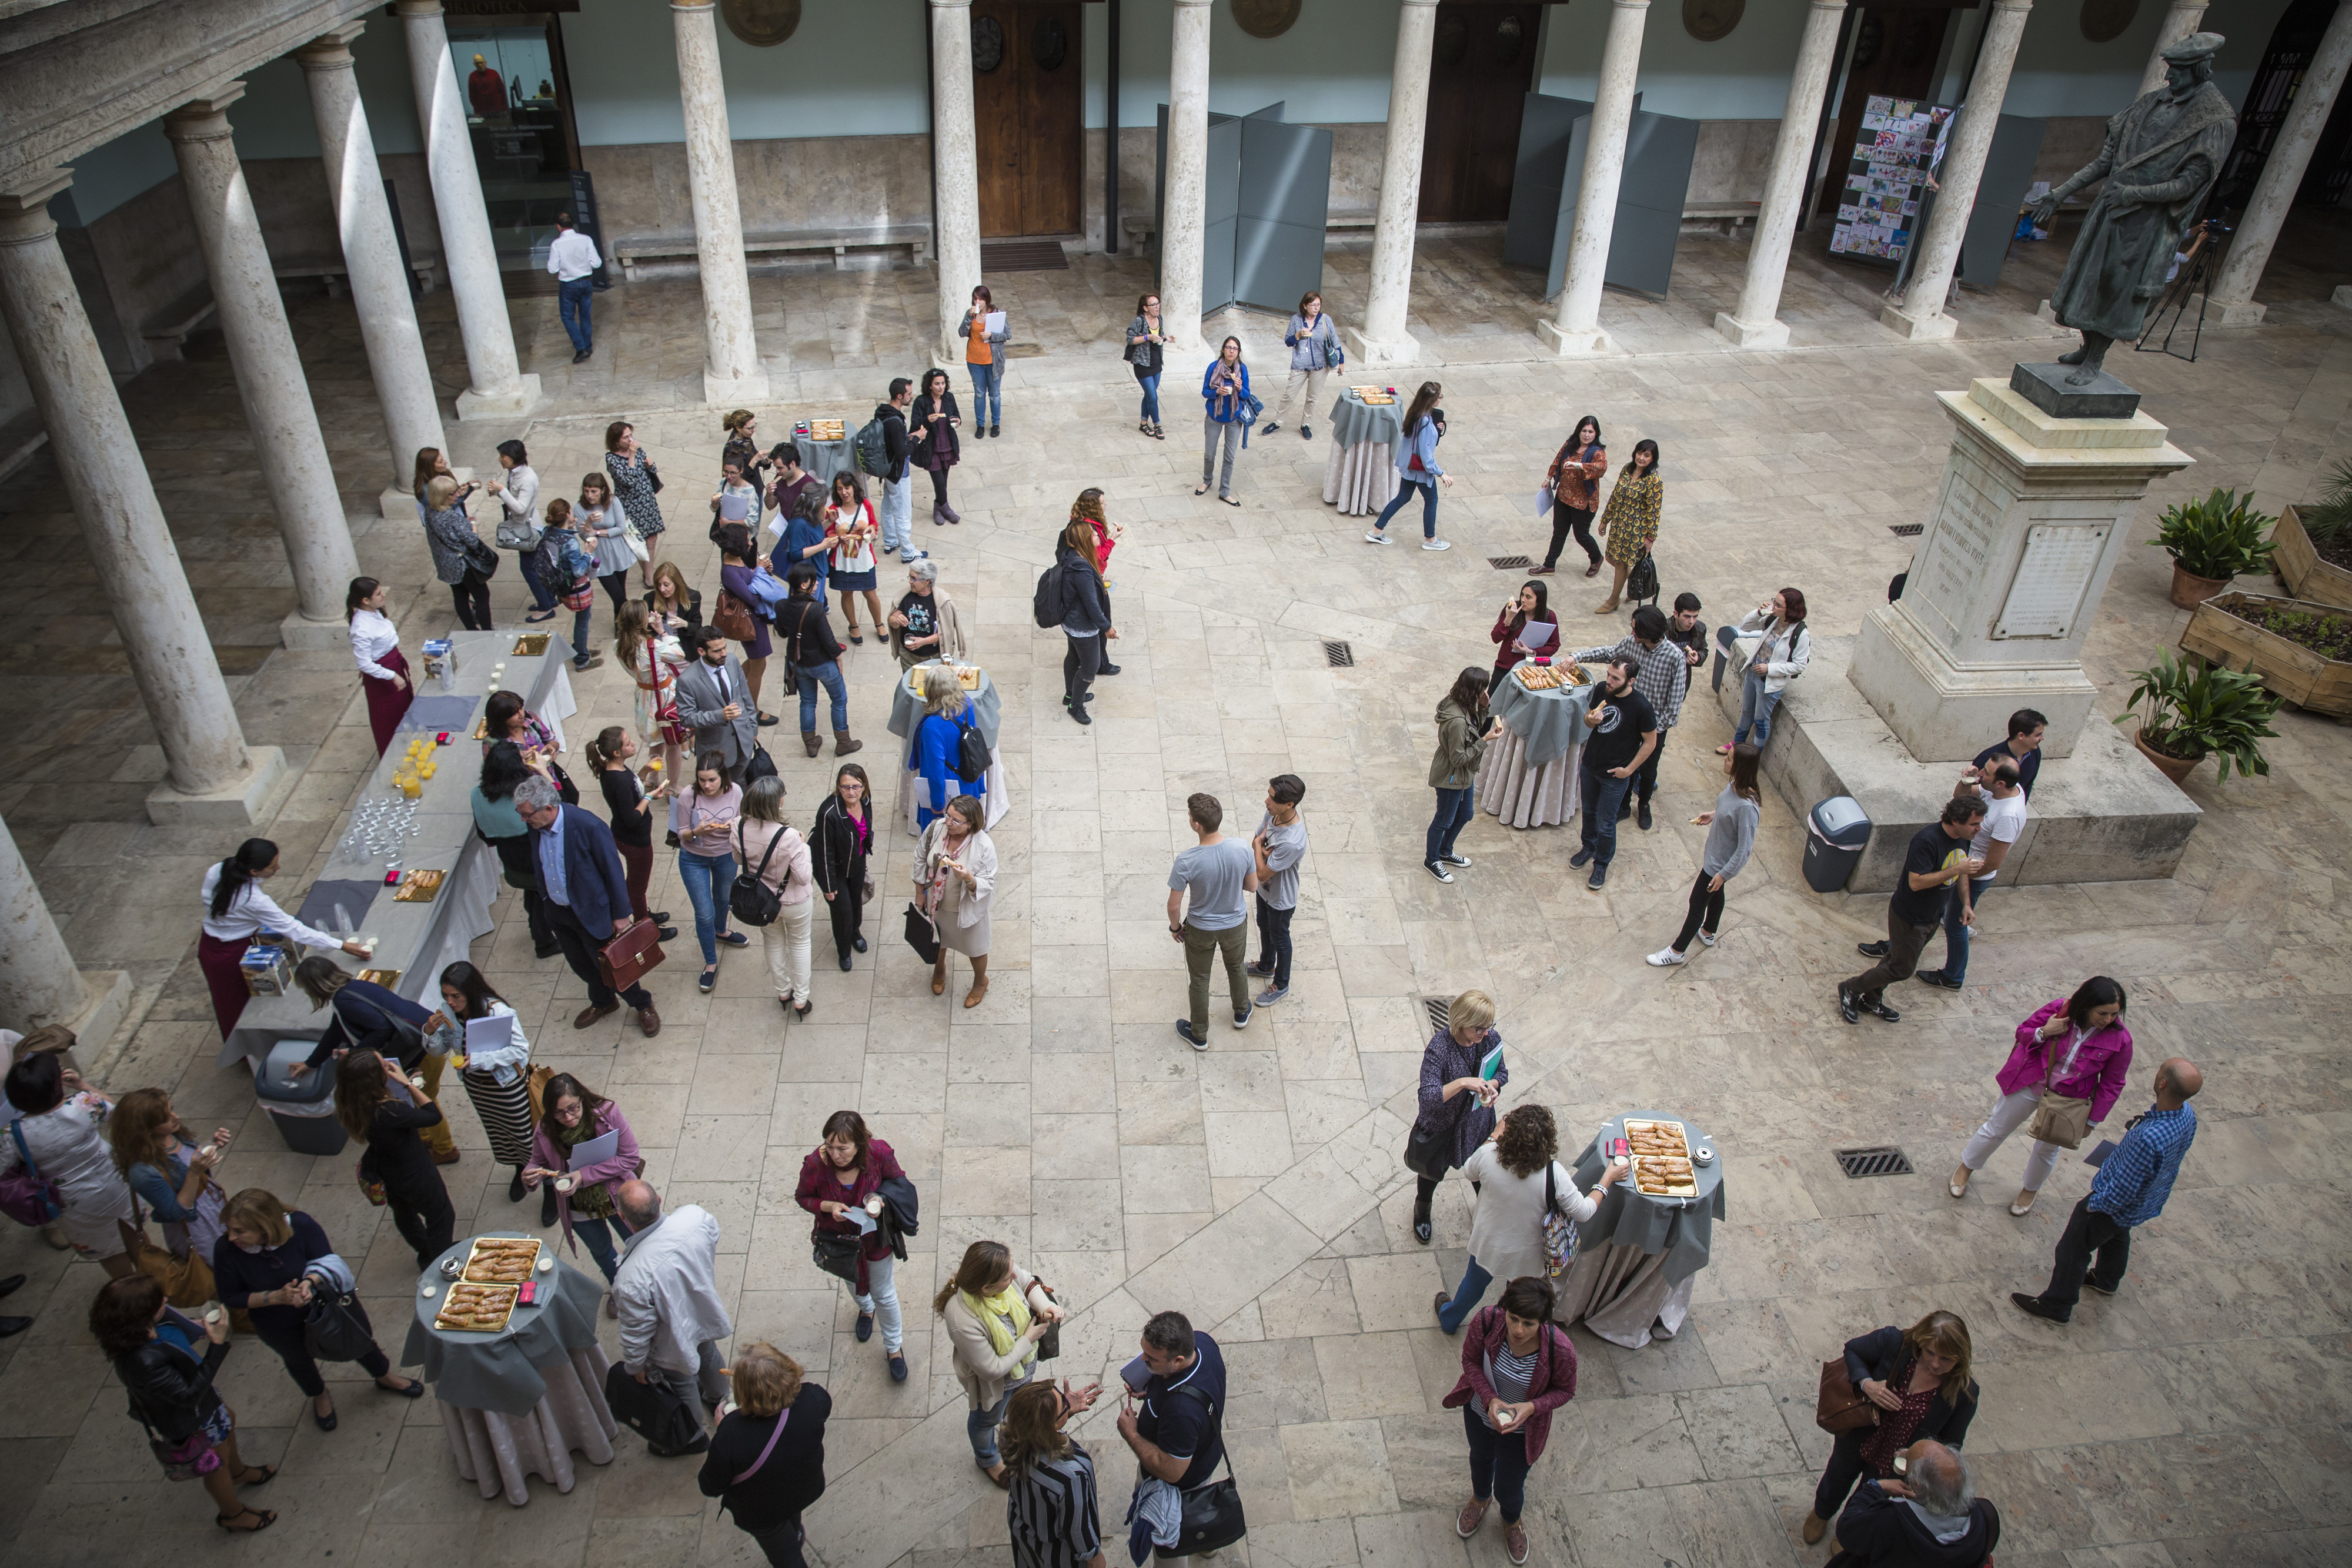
[2130,1191]
[1662,674]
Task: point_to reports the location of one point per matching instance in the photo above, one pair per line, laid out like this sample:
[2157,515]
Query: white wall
[1742,77]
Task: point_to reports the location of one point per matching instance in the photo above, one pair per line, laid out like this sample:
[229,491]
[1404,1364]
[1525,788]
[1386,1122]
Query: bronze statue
[2162,155]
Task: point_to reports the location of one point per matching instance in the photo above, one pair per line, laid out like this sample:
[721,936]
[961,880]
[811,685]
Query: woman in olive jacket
[1463,728]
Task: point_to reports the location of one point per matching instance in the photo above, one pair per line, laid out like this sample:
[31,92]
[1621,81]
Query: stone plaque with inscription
[2053,575]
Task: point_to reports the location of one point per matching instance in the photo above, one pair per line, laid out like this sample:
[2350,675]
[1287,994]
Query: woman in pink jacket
[2076,1046]
[573,1115]
[1517,1367]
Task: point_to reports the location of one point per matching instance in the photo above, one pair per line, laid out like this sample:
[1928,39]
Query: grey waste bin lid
[1840,820]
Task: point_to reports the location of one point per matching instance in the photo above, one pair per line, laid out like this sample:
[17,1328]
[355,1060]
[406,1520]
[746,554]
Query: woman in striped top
[1517,1367]
[496,1080]
[1050,1509]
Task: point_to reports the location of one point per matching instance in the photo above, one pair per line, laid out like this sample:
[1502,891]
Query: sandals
[263,1514]
[268,1472]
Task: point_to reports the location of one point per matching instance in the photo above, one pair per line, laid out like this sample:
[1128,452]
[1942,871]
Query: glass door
[519,112]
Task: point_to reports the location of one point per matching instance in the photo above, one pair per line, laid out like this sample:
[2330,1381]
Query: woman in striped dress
[496,1080]
[1050,1507]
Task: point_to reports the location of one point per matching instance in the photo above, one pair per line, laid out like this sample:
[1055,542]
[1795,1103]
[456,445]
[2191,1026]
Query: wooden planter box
[2288,669]
[2299,567]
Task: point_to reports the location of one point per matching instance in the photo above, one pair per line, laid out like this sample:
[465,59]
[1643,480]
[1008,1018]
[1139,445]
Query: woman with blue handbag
[1226,388]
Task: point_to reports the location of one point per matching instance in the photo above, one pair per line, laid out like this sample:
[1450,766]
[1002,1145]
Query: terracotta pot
[2173,768]
[2189,590]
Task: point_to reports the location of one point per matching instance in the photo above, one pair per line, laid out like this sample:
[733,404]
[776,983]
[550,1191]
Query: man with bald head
[2130,1191]
[667,1291]
[1929,1516]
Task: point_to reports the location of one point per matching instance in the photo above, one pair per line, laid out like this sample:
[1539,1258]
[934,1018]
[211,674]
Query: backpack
[873,449]
[971,755]
[752,900]
[1052,602]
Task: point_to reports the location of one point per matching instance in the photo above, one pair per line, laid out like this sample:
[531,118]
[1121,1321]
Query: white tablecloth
[1359,480]
[1525,796]
[913,792]
[498,1452]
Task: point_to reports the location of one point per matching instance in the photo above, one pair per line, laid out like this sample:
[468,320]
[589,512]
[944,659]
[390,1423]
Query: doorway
[1028,103]
[518,98]
[1895,49]
[1480,67]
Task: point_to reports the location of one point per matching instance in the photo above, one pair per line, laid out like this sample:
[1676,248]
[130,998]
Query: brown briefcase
[632,953]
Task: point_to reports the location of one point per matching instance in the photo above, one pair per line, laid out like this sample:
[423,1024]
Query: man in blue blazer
[586,891]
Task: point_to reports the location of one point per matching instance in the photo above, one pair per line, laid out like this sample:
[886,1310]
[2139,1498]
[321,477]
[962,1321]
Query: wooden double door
[1481,65]
[1028,100]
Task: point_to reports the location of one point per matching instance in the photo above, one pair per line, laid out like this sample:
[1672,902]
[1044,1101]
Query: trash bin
[303,1109]
[1836,833]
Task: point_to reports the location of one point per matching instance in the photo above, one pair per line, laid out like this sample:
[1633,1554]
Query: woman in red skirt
[235,911]
[375,643]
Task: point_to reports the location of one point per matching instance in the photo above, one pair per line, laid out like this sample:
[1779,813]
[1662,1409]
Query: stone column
[396,350]
[1382,340]
[1576,327]
[1185,209]
[1756,324]
[39,982]
[2180,21]
[215,777]
[955,177]
[499,389]
[2250,247]
[731,371]
[1921,314]
[295,469]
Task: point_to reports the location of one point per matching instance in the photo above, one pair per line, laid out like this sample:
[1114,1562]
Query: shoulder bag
[670,1427]
[26,1196]
[836,1254]
[733,618]
[2061,1119]
[1429,1151]
[922,935]
[752,900]
[972,754]
[1642,581]
[480,556]
[1559,1229]
[1841,1406]
[1212,1514]
[335,1327]
[187,1281]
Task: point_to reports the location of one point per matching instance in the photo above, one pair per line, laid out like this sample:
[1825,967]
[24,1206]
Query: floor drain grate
[1885,1160]
[1342,657]
[1440,1010]
[1509,562]
[1907,530]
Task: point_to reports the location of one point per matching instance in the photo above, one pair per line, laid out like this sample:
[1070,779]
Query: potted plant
[2190,712]
[2315,544]
[2211,541]
[2301,649]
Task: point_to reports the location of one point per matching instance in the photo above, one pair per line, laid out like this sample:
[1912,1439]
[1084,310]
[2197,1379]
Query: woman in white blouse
[63,1134]
[235,911]
[1510,1173]
[375,643]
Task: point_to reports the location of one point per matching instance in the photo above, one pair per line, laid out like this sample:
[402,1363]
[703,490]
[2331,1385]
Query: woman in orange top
[984,356]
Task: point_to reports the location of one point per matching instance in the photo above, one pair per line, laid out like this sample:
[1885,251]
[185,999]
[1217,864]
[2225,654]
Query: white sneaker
[1436,544]
[1666,959]
[1707,936]
[1374,537]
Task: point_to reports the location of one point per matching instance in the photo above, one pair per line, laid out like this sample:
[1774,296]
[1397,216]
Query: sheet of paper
[494,1033]
[995,322]
[593,1152]
[1492,1068]
[1536,635]
[865,1222]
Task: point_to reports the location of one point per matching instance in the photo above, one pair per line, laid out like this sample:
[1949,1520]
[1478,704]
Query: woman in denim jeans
[1784,648]
[984,356]
[845,1173]
[1463,728]
[1144,339]
[706,858]
[577,1114]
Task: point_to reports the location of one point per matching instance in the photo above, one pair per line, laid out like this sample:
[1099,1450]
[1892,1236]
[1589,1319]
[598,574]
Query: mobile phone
[1620,1149]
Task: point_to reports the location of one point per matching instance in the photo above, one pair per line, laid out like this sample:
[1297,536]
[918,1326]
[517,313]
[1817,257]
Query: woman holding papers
[583,1149]
[479,1033]
[1462,1076]
[1520,631]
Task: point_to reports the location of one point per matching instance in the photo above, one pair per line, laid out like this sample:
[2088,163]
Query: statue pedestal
[2033,512]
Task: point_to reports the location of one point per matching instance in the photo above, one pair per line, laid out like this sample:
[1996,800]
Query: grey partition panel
[1653,179]
[1285,204]
[1659,149]
[1158,191]
[1220,220]
[1546,126]
[2000,192]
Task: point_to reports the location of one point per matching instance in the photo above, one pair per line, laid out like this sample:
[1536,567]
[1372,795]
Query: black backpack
[972,754]
[873,449]
[1052,604]
[752,900]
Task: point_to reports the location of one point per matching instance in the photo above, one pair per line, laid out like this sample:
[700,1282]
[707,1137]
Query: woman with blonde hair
[1457,1111]
[995,1311]
[1052,1514]
[766,1460]
[264,1261]
[449,535]
[955,880]
[653,659]
[1918,1380]
[938,742]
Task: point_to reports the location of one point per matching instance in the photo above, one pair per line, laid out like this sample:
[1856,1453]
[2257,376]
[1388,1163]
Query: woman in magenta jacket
[841,1175]
[573,1115]
[2076,1046]
[1517,1367]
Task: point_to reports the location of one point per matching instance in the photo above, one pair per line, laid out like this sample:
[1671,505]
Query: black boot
[514,1188]
[1421,1218]
[547,1205]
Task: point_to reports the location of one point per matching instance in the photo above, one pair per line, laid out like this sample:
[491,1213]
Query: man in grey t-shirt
[1219,874]
[1279,846]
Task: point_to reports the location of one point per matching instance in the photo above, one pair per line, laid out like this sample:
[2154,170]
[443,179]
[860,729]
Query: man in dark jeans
[1662,669]
[2129,1190]
[587,892]
[1622,731]
[1937,858]
[1279,846]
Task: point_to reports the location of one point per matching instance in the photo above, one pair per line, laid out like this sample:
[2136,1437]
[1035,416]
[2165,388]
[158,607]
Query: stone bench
[334,273]
[917,237]
[1722,217]
[169,327]
[1137,226]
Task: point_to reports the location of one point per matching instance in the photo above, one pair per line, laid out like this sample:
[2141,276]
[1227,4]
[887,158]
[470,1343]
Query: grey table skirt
[1635,1258]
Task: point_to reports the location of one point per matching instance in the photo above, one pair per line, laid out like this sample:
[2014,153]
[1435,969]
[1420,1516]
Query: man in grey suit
[715,699]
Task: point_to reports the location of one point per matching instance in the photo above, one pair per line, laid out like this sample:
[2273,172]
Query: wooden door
[1027,108]
[1894,53]
[1480,69]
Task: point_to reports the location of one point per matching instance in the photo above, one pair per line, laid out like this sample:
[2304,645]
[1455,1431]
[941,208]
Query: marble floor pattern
[2200,1417]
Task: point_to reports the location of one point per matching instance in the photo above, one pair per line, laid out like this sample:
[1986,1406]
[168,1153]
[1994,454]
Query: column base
[305,635]
[1404,351]
[246,801]
[2238,313]
[1772,334]
[1932,328]
[734,392]
[2342,296]
[1938,708]
[1583,342]
[522,398]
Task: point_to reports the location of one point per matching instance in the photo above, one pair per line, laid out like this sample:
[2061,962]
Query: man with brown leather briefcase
[587,894]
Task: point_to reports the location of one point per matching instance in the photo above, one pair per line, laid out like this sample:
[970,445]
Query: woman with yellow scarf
[996,1311]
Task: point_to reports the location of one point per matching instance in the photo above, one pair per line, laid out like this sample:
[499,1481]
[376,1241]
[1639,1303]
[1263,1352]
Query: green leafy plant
[2194,712]
[2329,517]
[2329,636]
[2218,538]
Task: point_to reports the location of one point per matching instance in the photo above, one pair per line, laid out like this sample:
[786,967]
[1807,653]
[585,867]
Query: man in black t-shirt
[1620,730]
[1937,858]
[2024,746]
[1175,1422]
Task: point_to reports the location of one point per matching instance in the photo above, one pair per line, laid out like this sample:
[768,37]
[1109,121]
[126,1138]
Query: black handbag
[1049,1343]
[481,556]
[1212,1514]
[336,1327]
[752,900]
[1642,582]
[670,1427]
[1429,1151]
[921,936]
[762,765]
[972,754]
[836,1254]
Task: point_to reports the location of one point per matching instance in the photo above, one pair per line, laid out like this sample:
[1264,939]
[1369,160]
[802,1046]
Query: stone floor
[2200,1417]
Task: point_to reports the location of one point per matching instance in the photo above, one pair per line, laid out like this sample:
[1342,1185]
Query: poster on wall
[1901,142]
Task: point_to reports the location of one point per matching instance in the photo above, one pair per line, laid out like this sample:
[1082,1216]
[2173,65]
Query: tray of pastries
[531,644]
[387,979]
[919,678]
[1542,677]
[1662,1161]
[501,1260]
[828,430]
[476,1309]
[420,886]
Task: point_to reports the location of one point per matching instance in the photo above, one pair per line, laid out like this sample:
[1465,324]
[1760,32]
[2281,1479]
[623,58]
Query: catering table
[1528,777]
[1636,1257]
[1360,467]
[906,716]
[418,940]
[516,1402]
[826,458]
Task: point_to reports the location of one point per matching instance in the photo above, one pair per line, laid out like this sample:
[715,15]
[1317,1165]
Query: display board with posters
[1878,212]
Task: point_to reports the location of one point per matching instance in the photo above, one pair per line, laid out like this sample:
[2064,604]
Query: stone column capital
[330,52]
[950,4]
[1192,5]
[1639,4]
[419,8]
[204,119]
[1828,5]
[693,4]
[24,209]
